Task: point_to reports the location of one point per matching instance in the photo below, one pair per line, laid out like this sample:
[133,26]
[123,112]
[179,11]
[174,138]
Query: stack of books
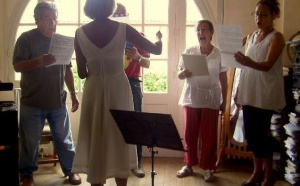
[276,127]
[294,118]
[292,144]
[286,71]
[292,172]
[296,76]
[296,64]
[292,129]
[279,154]
[7,105]
[296,95]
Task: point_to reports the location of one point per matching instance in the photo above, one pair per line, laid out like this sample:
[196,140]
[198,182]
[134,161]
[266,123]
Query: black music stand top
[148,129]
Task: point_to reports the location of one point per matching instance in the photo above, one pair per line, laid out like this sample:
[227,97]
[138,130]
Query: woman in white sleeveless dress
[101,151]
[261,89]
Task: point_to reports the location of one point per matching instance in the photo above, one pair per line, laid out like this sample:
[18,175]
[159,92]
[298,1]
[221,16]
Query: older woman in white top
[201,99]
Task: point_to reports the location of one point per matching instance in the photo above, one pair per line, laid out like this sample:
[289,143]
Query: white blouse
[262,89]
[203,91]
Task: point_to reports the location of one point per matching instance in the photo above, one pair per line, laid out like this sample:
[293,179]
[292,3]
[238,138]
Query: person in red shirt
[134,59]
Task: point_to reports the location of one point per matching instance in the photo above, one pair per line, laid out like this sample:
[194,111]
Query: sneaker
[138,172]
[208,175]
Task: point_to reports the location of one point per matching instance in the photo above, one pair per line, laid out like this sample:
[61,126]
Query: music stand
[148,129]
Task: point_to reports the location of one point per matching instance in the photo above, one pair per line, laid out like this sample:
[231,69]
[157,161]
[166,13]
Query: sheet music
[230,41]
[228,60]
[196,64]
[62,47]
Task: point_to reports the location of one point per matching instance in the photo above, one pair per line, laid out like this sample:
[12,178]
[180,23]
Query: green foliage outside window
[76,78]
[155,82]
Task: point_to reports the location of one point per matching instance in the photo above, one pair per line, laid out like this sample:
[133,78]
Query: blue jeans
[32,122]
[137,101]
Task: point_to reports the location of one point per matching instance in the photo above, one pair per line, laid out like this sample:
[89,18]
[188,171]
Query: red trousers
[201,125]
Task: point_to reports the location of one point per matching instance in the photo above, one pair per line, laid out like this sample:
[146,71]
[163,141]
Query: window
[147,16]
[192,17]
[144,16]
[26,23]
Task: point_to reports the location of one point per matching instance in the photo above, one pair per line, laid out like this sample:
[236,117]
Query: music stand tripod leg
[153,173]
[149,129]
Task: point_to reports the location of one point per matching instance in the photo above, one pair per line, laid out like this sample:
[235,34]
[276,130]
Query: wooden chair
[228,145]
[46,139]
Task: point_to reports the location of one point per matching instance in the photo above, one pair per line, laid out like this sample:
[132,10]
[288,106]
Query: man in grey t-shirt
[43,96]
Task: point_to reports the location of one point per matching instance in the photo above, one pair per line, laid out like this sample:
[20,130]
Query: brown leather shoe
[27,181]
[74,179]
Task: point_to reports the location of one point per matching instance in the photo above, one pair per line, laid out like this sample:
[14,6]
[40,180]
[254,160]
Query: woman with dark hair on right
[99,45]
[261,89]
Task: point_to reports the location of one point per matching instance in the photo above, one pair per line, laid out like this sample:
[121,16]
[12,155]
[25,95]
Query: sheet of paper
[62,47]
[196,64]
[229,37]
[228,60]
[230,41]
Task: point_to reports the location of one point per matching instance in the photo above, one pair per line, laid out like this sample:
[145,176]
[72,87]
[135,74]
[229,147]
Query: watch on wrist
[140,59]
[73,92]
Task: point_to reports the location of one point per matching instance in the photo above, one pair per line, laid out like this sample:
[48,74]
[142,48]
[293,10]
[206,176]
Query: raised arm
[143,43]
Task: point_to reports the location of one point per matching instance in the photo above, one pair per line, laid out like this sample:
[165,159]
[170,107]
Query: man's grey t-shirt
[42,87]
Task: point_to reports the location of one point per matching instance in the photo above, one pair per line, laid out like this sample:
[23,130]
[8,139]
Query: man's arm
[69,80]
[143,61]
[31,64]
[133,53]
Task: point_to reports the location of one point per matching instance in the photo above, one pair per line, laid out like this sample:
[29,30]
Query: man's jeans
[32,122]
[137,101]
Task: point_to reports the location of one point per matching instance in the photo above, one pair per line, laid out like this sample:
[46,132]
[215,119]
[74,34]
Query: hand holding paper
[230,41]
[185,74]
[47,60]
[242,59]
[196,64]
[62,48]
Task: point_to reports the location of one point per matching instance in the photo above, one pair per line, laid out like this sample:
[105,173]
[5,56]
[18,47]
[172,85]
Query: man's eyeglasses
[261,15]
[202,30]
[50,21]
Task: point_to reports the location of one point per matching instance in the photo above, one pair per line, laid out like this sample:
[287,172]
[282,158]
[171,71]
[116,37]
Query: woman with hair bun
[261,89]
[101,151]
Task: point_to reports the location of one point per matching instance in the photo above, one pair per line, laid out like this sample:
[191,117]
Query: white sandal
[184,172]
[208,175]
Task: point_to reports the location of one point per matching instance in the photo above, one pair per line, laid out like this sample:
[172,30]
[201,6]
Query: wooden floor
[230,173]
